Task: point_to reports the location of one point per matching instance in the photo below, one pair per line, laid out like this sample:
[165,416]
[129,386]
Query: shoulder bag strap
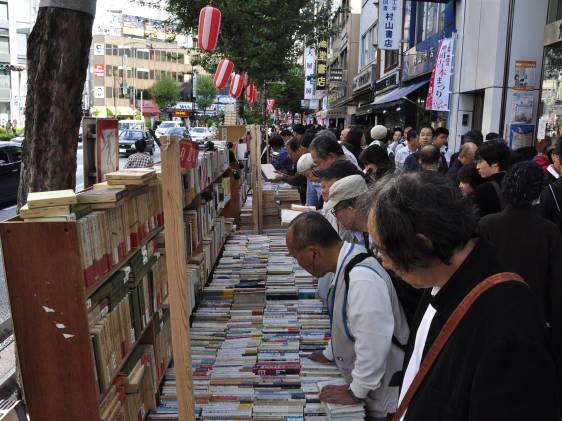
[554,197]
[447,330]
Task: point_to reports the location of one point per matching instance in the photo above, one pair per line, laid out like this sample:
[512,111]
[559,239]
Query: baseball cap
[305,163]
[339,169]
[347,188]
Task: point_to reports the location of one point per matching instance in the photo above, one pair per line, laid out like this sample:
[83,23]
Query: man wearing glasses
[367,322]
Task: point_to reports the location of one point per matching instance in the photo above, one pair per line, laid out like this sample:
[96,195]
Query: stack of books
[52,206]
[252,332]
[341,412]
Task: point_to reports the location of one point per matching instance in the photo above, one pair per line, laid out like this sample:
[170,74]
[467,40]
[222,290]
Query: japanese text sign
[390,24]
[321,65]
[309,70]
[439,85]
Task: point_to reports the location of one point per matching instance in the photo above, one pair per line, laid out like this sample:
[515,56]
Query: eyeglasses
[339,206]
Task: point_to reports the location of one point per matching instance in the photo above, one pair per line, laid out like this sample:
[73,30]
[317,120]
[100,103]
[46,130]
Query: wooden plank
[175,262]
[255,150]
[50,322]
[51,198]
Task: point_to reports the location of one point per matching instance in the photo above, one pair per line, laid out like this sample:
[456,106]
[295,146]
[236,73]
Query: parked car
[10,165]
[131,125]
[164,126]
[127,139]
[18,139]
[201,134]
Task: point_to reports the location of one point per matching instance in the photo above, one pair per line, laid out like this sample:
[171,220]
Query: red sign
[99,70]
[189,152]
[107,140]
[270,105]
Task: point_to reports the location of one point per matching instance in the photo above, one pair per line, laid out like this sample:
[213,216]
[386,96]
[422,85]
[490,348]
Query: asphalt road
[10,212]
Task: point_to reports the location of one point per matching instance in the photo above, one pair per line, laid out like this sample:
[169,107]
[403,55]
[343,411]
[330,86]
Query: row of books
[254,328]
[122,308]
[211,164]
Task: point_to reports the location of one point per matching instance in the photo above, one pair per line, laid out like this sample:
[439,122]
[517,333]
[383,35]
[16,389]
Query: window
[108,70]
[109,92]
[554,11]
[390,59]
[151,77]
[21,44]
[5,81]
[174,76]
[3,11]
[115,50]
[4,45]
[108,49]
[157,55]
[430,20]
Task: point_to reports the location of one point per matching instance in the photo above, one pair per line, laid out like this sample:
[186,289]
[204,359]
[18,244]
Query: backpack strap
[355,261]
[447,330]
[499,194]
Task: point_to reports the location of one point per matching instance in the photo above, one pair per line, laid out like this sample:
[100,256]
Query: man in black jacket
[493,159]
[497,364]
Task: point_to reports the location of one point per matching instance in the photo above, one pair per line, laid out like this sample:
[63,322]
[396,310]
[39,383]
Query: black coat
[486,197]
[530,246]
[497,365]
[551,203]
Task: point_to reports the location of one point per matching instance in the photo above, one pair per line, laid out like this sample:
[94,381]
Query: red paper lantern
[249,92]
[255,94]
[236,85]
[209,26]
[223,73]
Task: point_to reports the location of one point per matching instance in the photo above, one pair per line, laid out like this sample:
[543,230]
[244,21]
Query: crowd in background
[399,207]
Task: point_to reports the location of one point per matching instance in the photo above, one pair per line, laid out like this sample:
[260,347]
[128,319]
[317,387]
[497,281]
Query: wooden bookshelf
[48,297]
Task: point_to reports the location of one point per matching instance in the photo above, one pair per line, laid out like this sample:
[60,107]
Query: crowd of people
[439,269]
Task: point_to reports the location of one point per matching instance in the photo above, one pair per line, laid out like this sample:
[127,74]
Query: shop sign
[336,75]
[184,106]
[99,70]
[99,49]
[180,114]
[386,83]
[553,32]
[390,24]
[99,92]
[309,69]
[363,79]
[188,154]
[524,77]
[439,85]
[417,63]
[321,64]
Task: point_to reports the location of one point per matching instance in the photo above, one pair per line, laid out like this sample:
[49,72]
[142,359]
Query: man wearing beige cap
[305,164]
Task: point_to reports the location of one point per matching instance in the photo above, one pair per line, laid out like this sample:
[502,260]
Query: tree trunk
[58,51]
[240,110]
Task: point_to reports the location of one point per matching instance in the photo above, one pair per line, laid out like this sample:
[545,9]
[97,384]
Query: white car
[201,134]
[164,126]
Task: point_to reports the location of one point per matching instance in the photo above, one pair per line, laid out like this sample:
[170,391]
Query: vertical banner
[390,24]
[321,65]
[439,84]
[270,105]
[309,69]
[107,147]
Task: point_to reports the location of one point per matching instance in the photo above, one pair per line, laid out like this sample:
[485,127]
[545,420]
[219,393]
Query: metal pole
[141,103]
[507,66]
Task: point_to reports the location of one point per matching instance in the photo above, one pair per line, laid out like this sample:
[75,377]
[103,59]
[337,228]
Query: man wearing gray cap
[368,325]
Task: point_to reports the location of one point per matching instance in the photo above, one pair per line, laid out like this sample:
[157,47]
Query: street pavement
[7,356]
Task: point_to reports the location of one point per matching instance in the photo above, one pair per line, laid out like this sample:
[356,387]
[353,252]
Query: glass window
[15,153]
[5,81]
[4,11]
[115,50]
[108,70]
[552,92]
[554,11]
[3,156]
[108,49]
[109,92]
[430,20]
[157,55]
[4,45]
[152,75]
[21,44]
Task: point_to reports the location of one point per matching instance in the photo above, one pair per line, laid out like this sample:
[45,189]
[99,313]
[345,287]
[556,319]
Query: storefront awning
[397,94]
[101,111]
[150,111]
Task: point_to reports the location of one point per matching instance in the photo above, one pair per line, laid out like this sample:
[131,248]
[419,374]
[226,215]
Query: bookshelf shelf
[93,288]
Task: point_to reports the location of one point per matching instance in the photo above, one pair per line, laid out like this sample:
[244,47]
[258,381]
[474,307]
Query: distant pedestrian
[493,158]
[412,143]
[378,135]
[353,141]
[469,179]
[281,160]
[376,162]
[465,156]
[141,158]
[429,158]
[395,144]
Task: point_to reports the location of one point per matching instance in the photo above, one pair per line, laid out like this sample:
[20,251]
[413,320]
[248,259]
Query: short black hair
[430,155]
[299,128]
[494,152]
[524,153]
[474,136]
[523,184]
[293,144]
[355,136]
[276,141]
[307,139]
[229,145]
[325,145]
[285,132]
[311,228]
[140,145]
[412,133]
[405,205]
[492,136]
[469,174]
[427,126]
[441,130]
[397,129]
[377,156]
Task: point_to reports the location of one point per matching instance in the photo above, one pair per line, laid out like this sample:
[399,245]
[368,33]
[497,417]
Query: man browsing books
[368,325]
[140,159]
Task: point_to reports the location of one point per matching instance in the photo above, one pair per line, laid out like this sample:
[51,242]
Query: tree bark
[58,53]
